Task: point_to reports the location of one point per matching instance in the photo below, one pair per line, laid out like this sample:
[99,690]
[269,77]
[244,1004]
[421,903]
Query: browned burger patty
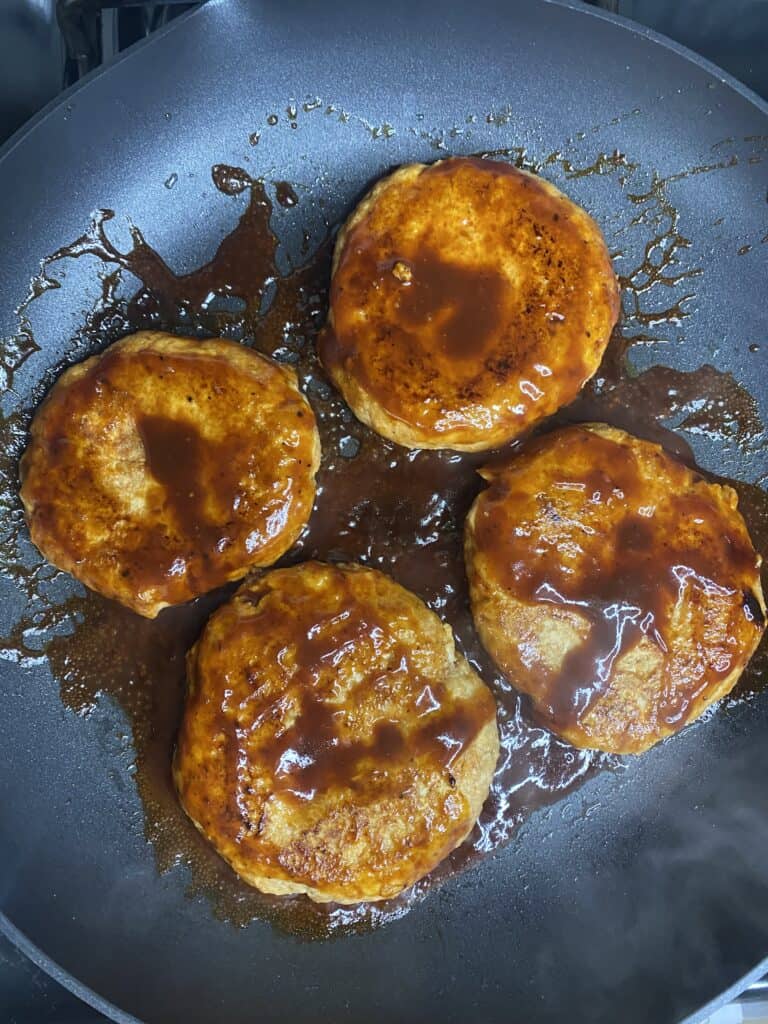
[469,300]
[167,466]
[613,585]
[333,741]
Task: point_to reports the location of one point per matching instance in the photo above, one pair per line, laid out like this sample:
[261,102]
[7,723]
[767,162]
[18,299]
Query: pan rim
[7,928]
[725,77]
[706,1011]
[54,970]
[88,79]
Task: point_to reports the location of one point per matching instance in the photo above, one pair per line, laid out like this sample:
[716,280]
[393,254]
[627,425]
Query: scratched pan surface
[642,895]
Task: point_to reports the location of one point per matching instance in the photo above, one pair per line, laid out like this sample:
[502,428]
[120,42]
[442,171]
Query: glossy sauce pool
[397,510]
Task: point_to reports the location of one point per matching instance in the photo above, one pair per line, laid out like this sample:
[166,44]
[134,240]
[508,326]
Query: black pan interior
[643,894]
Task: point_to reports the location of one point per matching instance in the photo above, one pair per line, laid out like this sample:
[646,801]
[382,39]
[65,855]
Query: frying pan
[643,895]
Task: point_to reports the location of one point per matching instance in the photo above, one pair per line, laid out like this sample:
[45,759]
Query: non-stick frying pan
[642,895]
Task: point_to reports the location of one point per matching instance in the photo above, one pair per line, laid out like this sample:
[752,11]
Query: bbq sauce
[213,499]
[312,681]
[643,548]
[285,194]
[397,510]
[486,345]
[323,631]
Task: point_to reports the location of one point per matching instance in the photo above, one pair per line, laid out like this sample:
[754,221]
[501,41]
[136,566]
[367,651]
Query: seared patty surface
[612,584]
[333,743]
[167,466]
[469,300]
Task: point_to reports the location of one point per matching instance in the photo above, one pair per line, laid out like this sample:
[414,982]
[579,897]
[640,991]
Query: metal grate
[95,30]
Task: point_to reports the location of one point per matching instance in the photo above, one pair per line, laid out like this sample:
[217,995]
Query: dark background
[46,45]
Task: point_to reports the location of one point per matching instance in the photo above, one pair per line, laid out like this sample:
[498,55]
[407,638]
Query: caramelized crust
[167,466]
[333,742]
[616,587]
[469,300]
